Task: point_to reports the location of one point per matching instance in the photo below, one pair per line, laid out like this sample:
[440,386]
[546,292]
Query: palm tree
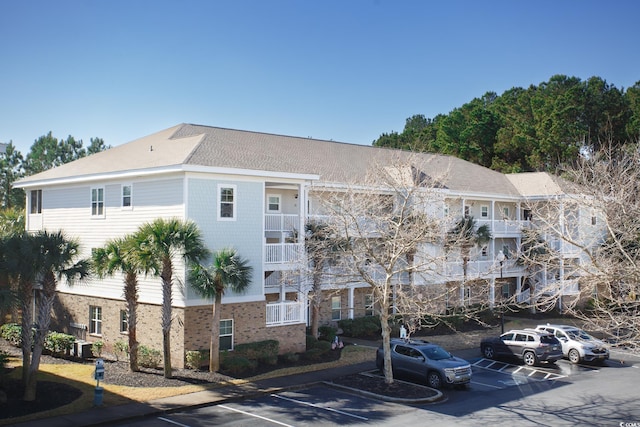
[160,242]
[227,270]
[120,255]
[56,260]
[466,235]
[20,262]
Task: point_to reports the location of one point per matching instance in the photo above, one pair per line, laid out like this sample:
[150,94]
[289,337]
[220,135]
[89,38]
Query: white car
[577,345]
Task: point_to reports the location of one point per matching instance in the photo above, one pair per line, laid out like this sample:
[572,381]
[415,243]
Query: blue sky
[345,70]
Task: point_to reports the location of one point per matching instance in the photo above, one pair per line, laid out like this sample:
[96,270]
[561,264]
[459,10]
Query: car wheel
[530,358]
[574,356]
[434,380]
[488,352]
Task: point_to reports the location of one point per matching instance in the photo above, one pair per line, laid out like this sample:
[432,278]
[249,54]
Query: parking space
[313,406]
[529,372]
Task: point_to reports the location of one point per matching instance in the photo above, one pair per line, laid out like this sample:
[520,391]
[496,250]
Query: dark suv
[529,345]
[430,361]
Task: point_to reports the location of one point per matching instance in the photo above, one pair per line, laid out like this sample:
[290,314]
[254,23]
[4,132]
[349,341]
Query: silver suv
[529,345]
[577,345]
[430,361]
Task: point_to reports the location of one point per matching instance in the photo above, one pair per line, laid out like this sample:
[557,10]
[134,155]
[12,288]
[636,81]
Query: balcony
[504,227]
[283,253]
[281,222]
[285,313]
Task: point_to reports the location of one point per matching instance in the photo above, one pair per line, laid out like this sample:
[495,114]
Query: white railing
[506,226]
[524,296]
[284,313]
[281,222]
[283,253]
[482,268]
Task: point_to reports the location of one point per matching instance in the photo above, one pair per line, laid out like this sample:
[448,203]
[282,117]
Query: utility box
[82,349]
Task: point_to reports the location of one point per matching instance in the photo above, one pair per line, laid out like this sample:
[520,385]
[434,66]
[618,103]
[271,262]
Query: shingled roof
[219,148]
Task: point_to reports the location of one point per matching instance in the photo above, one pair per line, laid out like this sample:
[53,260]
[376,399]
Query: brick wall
[249,320]
[71,308]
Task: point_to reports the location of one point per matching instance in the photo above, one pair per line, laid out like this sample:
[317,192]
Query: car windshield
[578,334]
[436,353]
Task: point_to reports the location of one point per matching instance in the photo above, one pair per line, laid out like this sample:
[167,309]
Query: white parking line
[487,385]
[522,371]
[173,422]
[321,407]
[255,416]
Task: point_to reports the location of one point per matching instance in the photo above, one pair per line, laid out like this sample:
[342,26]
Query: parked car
[427,360]
[529,345]
[577,345]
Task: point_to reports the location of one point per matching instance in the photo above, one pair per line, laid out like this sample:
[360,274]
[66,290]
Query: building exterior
[253,192]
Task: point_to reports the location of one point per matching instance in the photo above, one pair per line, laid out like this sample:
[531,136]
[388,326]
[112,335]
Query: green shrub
[327,333]
[237,365]
[261,351]
[121,349]
[195,359]
[290,357]
[59,343]
[315,354]
[149,357]
[367,326]
[12,333]
[96,348]
[311,342]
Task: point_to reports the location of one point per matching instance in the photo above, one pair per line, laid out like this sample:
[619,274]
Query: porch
[285,313]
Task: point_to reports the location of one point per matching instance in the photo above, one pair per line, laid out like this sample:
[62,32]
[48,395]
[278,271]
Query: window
[226,334]
[594,220]
[335,308]
[505,291]
[227,199]
[484,211]
[368,305]
[126,196]
[97,201]
[528,215]
[36,202]
[95,320]
[124,322]
[273,203]
[467,211]
[485,251]
[446,210]
[505,212]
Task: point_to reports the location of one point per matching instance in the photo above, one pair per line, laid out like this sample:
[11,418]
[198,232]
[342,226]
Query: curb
[438,397]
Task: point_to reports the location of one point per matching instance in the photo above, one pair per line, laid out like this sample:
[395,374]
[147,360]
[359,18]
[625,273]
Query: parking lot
[501,392]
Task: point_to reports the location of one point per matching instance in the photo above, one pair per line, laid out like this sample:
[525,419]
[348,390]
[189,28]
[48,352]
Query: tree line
[532,129]
[46,152]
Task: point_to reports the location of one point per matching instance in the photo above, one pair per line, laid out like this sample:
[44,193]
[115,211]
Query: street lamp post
[500,258]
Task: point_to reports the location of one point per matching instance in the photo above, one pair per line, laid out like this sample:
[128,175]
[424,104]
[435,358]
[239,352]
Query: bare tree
[583,251]
[391,221]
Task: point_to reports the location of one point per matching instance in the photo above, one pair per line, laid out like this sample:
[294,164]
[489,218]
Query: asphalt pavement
[104,415]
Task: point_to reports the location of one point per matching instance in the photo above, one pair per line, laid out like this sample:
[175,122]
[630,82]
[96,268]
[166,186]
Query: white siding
[68,209]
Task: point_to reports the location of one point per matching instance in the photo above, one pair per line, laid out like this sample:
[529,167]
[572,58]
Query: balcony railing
[283,253]
[506,226]
[281,222]
[285,313]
